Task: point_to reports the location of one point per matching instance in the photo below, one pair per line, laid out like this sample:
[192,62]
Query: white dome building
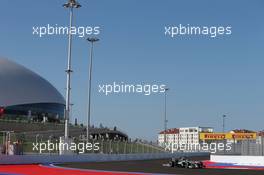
[25,94]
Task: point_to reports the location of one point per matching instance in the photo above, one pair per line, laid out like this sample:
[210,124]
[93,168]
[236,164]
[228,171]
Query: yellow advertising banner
[227,136]
[212,136]
[242,136]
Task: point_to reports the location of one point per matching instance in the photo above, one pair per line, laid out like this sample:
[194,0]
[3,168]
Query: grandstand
[55,130]
[112,140]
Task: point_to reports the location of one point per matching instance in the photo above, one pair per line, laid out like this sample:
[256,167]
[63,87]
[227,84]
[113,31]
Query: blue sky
[207,77]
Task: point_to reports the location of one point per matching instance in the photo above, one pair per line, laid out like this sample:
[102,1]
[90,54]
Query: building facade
[183,136]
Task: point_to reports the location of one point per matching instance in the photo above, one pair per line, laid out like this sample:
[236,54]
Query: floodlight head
[92,39]
[72,4]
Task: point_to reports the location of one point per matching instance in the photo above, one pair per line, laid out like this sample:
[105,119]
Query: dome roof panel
[19,85]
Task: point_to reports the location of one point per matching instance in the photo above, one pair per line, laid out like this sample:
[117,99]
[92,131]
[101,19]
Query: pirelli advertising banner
[242,136]
[227,136]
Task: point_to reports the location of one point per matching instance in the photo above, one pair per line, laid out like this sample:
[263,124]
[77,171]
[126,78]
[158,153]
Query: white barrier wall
[240,160]
[47,159]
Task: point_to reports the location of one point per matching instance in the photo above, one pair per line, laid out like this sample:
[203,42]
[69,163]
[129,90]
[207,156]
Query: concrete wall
[240,160]
[46,159]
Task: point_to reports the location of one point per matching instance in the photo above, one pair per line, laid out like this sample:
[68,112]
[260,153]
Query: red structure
[2,110]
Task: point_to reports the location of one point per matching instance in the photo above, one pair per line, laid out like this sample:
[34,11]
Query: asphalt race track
[49,170]
[155,167]
[142,167]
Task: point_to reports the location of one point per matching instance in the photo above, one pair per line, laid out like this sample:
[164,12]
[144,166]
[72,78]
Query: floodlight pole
[71,4]
[224,116]
[165,116]
[91,40]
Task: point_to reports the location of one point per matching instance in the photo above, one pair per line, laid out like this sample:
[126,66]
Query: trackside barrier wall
[239,160]
[47,159]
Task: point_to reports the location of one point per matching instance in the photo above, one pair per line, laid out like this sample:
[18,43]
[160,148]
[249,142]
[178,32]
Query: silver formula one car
[183,162]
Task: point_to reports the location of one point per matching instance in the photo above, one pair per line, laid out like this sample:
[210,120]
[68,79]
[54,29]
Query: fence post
[93,149]
[125,147]
[247,146]
[102,146]
[262,145]
[110,147]
[117,146]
